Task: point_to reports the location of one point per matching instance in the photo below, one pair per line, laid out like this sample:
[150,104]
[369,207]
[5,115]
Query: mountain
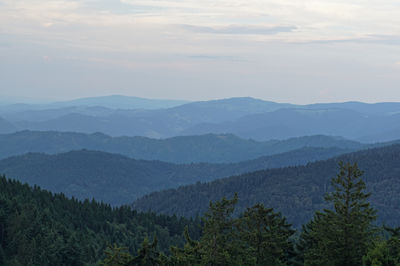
[383,136]
[245,117]
[122,102]
[287,123]
[54,113]
[296,191]
[158,123]
[385,108]
[6,127]
[224,148]
[116,179]
[111,101]
[41,228]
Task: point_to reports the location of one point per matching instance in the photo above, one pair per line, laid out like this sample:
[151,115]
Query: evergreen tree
[189,255]
[219,240]
[385,252]
[341,236]
[148,254]
[116,256]
[266,236]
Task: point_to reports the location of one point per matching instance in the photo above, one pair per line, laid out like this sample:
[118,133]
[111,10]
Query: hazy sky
[296,51]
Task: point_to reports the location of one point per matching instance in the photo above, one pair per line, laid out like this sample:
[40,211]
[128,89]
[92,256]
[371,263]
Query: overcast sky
[295,51]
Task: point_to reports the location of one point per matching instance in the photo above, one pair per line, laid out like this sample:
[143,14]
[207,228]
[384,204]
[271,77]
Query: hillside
[41,228]
[211,148]
[245,117]
[295,122]
[295,191]
[117,179]
[6,127]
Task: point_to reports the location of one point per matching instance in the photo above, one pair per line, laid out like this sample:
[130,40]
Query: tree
[342,235]
[385,252]
[118,256]
[218,243]
[148,254]
[266,236]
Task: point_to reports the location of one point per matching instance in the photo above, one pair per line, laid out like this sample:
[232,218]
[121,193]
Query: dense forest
[41,228]
[296,191]
[344,234]
[117,179]
[211,148]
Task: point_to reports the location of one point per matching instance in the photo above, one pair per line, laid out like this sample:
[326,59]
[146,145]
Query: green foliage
[39,228]
[297,191]
[117,180]
[266,235]
[342,236]
[148,254]
[116,256]
[218,243]
[257,237]
[384,252]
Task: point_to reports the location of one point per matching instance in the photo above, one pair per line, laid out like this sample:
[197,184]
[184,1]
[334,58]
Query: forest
[41,228]
[295,191]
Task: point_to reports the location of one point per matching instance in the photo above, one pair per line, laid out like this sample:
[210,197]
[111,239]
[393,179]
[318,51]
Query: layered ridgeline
[40,228]
[6,127]
[117,179]
[245,117]
[295,191]
[223,148]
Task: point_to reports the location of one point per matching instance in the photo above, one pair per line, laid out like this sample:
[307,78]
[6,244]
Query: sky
[287,51]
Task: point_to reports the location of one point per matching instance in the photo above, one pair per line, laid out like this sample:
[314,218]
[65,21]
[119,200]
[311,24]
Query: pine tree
[116,256]
[219,243]
[266,236]
[148,254]
[342,235]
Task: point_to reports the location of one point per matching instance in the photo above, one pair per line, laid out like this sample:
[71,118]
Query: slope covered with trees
[224,148]
[41,228]
[116,179]
[342,235]
[297,191]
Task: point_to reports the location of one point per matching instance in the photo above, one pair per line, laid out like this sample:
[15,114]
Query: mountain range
[116,179]
[222,148]
[244,117]
[296,191]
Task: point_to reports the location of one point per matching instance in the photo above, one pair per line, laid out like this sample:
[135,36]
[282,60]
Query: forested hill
[223,148]
[117,179]
[5,126]
[295,191]
[40,228]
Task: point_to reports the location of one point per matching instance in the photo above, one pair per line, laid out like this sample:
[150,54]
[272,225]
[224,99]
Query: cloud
[368,39]
[239,29]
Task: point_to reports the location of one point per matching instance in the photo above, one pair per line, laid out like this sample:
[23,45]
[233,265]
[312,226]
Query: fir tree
[266,236]
[342,235]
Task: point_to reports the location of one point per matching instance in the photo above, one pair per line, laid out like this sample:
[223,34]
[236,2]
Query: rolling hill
[6,127]
[212,148]
[117,179]
[244,117]
[296,191]
[289,123]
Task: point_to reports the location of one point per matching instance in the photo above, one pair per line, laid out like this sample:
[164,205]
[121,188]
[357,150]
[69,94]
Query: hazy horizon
[299,52]
[38,100]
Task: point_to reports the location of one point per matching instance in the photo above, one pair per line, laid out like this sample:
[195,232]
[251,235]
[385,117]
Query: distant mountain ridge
[6,127]
[245,117]
[117,179]
[212,148]
[110,101]
[295,191]
[122,102]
